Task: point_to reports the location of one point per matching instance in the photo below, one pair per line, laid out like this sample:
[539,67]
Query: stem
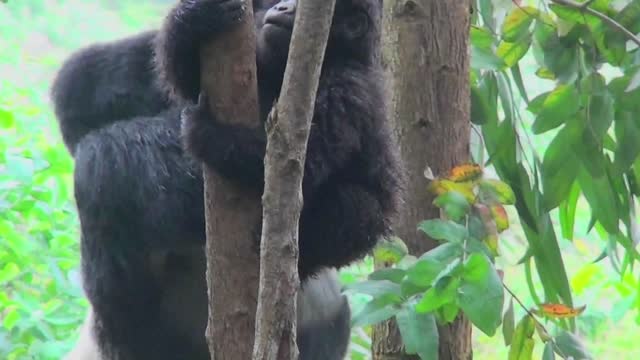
[606,19]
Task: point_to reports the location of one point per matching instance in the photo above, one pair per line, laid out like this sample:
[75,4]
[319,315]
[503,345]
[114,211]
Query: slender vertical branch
[288,132]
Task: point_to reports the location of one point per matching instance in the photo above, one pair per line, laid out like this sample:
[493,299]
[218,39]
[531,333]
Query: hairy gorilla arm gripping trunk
[231,87]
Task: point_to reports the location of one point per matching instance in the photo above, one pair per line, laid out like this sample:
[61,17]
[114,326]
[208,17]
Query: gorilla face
[352,30]
[275,32]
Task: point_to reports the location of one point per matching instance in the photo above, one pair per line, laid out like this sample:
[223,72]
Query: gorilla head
[354,31]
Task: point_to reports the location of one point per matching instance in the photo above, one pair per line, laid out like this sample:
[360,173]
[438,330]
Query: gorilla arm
[104,83]
[346,208]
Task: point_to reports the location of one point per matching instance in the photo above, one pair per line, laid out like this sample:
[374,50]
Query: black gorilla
[131,114]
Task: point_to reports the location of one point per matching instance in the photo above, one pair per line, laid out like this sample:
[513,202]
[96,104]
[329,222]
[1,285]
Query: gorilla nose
[286,7]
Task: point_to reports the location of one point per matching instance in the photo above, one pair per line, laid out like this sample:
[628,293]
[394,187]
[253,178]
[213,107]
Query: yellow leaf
[496,190]
[390,251]
[441,186]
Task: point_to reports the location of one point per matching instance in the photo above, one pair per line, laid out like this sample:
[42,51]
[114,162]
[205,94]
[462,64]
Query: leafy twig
[609,21]
[538,323]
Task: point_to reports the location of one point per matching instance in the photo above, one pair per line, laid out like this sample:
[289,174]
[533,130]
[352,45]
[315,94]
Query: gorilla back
[138,183]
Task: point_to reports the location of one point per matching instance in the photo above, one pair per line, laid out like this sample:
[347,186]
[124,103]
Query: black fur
[139,194]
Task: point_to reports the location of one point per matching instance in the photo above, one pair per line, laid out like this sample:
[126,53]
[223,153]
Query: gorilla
[133,115]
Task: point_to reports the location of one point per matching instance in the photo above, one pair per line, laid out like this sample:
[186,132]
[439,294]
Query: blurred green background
[41,303]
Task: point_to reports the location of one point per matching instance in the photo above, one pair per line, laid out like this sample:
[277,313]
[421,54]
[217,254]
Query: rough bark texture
[288,132]
[231,212]
[425,50]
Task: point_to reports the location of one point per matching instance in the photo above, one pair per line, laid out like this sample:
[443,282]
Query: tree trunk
[288,132]
[425,50]
[232,212]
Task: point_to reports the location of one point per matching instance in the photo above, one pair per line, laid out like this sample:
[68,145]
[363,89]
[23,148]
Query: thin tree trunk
[232,212]
[288,132]
[425,49]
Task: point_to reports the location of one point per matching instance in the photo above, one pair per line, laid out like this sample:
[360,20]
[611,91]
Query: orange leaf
[561,310]
[466,172]
[500,216]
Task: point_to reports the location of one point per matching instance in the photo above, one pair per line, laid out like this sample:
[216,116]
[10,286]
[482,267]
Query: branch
[609,21]
[288,133]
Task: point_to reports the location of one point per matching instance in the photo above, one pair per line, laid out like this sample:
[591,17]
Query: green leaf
[375,311]
[522,344]
[560,56]
[391,274]
[410,289]
[508,324]
[9,272]
[634,83]
[484,100]
[559,169]
[600,115]
[481,38]
[570,345]
[506,96]
[574,15]
[419,332]
[481,294]
[375,288]
[454,204]
[544,73]
[537,104]
[517,78]
[548,351]
[448,312]
[601,198]
[627,132]
[444,292]
[7,120]
[567,212]
[485,59]
[629,17]
[559,105]
[496,190]
[443,230]
[424,272]
[517,23]
[11,318]
[444,253]
[511,53]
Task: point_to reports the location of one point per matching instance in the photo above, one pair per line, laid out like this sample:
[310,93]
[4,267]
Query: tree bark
[232,212]
[288,132]
[425,50]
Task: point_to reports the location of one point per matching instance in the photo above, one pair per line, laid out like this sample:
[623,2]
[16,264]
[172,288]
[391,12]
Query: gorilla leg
[324,318]
[323,315]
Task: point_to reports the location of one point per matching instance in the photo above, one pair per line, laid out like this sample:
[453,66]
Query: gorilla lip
[284,23]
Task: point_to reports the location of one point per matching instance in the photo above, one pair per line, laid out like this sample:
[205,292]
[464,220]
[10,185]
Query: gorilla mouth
[284,22]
